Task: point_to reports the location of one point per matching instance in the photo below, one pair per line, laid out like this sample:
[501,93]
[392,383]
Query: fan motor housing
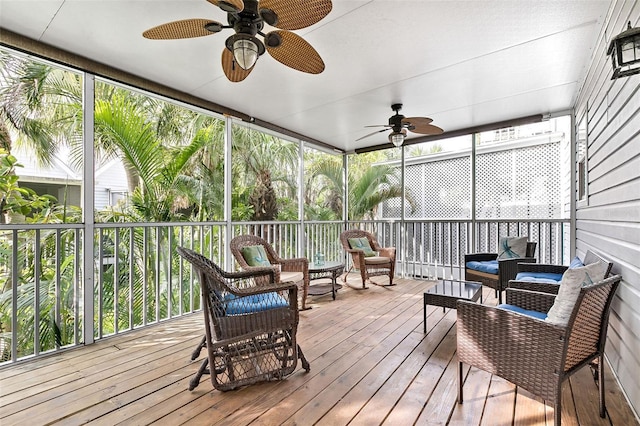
[395,121]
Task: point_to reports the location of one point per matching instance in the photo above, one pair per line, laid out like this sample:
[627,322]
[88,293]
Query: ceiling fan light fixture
[397,138]
[246,49]
[245,53]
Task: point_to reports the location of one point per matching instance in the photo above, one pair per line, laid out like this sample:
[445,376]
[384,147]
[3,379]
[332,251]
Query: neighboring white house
[64,181]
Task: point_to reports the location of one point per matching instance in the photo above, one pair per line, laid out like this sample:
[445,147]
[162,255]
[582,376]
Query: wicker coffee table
[447,292]
[328,270]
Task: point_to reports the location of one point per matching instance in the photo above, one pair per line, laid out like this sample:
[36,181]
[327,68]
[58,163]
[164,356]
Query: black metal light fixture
[625,53]
[246,49]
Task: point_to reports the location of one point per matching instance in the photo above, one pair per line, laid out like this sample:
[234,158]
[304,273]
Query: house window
[581,160]
[115,196]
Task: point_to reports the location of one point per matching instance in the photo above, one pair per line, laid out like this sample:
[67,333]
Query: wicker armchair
[548,287]
[296,269]
[530,352]
[382,264]
[507,269]
[250,325]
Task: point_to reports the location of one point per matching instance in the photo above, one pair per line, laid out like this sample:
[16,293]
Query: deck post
[88,254]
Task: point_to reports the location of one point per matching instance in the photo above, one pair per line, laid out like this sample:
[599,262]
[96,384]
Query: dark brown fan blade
[186,28]
[228,5]
[416,122]
[232,70]
[371,134]
[428,129]
[295,53]
[293,15]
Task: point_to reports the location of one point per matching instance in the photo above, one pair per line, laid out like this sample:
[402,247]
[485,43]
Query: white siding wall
[111,176]
[609,222]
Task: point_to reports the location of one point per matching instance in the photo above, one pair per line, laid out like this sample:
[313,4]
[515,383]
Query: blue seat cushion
[539,277]
[514,308]
[488,266]
[235,305]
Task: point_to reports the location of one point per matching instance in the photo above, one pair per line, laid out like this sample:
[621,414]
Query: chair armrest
[356,252]
[519,348]
[507,269]
[389,252]
[298,264]
[265,272]
[531,300]
[268,288]
[531,286]
[263,275]
[479,257]
[256,280]
[542,267]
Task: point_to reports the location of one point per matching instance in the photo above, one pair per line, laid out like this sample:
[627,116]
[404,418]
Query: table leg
[334,278]
[424,313]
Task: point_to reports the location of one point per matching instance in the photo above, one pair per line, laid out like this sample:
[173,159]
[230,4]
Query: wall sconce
[625,53]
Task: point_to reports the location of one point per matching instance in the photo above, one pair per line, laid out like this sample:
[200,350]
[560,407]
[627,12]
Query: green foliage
[287,210]
[369,185]
[16,200]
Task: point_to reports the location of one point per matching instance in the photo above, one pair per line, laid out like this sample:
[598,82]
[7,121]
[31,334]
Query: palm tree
[39,103]
[265,165]
[369,186]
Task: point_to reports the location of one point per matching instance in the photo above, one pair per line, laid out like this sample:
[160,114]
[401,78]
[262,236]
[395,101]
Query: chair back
[591,257]
[357,233]
[213,289]
[238,243]
[589,322]
[531,249]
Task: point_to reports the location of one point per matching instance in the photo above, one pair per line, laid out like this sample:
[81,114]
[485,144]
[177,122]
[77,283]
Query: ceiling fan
[399,124]
[247,19]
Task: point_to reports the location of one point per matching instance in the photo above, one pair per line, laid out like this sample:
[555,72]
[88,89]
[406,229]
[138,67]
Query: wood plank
[384,398]
[325,400]
[617,407]
[476,389]
[569,417]
[501,399]
[375,349]
[587,407]
[415,397]
[72,377]
[529,410]
[444,399]
[137,371]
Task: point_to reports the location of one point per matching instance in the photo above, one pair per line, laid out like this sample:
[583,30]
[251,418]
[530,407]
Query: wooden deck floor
[370,364]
